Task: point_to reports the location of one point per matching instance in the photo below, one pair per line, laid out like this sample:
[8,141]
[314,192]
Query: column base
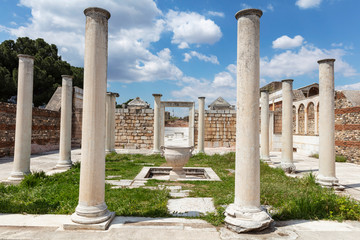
[91,214]
[265,159]
[288,167]
[17,176]
[241,219]
[64,164]
[109,151]
[156,151]
[329,182]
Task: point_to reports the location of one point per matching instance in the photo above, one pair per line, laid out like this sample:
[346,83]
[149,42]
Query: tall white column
[287,162]
[92,208]
[22,150]
[162,124]
[246,214]
[264,145]
[65,123]
[110,121]
[326,174]
[201,124]
[157,127]
[191,125]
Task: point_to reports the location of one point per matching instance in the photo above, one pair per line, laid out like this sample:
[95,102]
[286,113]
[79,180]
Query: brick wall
[45,129]
[347,133]
[134,128]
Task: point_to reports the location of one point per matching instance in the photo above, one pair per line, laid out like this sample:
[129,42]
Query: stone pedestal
[201,124]
[92,208]
[264,144]
[326,176]
[65,123]
[246,214]
[157,124]
[287,162]
[22,149]
[110,121]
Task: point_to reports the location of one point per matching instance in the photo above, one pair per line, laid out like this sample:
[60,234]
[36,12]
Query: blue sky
[185,49]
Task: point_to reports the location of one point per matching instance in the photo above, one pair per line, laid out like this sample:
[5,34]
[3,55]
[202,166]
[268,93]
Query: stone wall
[76,127]
[134,128]
[220,128]
[45,129]
[347,133]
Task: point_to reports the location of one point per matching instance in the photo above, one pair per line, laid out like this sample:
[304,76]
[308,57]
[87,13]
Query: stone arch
[301,114]
[311,119]
[313,91]
[294,119]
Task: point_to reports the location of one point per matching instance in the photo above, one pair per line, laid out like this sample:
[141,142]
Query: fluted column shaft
[201,124]
[246,214]
[22,148]
[264,145]
[92,208]
[157,127]
[326,123]
[65,123]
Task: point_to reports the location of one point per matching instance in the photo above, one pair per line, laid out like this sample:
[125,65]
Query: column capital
[25,56]
[287,80]
[112,94]
[331,60]
[95,11]
[67,76]
[201,97]
[157,94]
[250,11]
[264,91]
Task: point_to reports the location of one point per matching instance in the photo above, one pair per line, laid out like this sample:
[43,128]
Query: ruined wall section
[220,128]
[134,128]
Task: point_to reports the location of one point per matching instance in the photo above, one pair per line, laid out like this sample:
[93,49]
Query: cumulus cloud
[355,86]
[213,59]
[305,4]
[270,7]
[292,63]
[133,26]
[192,28]
[285,42]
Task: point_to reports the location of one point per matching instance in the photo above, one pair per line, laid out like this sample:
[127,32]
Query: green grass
[338,158]
[289,198]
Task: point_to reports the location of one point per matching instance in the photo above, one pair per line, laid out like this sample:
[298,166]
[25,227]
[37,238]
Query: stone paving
[18,226]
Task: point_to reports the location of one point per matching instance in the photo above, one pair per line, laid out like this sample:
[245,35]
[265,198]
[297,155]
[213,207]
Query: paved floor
[18,226]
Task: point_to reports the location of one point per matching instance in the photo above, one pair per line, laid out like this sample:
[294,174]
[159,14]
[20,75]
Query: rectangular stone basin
[192,174]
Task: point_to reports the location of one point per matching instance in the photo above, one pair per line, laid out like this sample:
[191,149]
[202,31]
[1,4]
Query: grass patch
[338,158]
[289,198]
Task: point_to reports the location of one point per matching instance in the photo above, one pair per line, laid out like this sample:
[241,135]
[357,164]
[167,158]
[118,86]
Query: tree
[48,68]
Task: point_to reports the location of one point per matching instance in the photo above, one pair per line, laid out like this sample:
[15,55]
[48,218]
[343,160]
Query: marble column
[326,176]
[264,145]
[287,162]
[246,213]
[65,123]
[162,124]
[110,121]
[92,209]
[201,124]
[157,127]
[22,149]
[191,124]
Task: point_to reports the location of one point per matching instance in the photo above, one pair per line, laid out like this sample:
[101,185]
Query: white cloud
[133,26]
[285,42]
[270,7]
[216,14]
[292,63]
[223,84]
[183,45]
[305,4]
[355,86]
[192,28]
[213,59]
[337,44]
